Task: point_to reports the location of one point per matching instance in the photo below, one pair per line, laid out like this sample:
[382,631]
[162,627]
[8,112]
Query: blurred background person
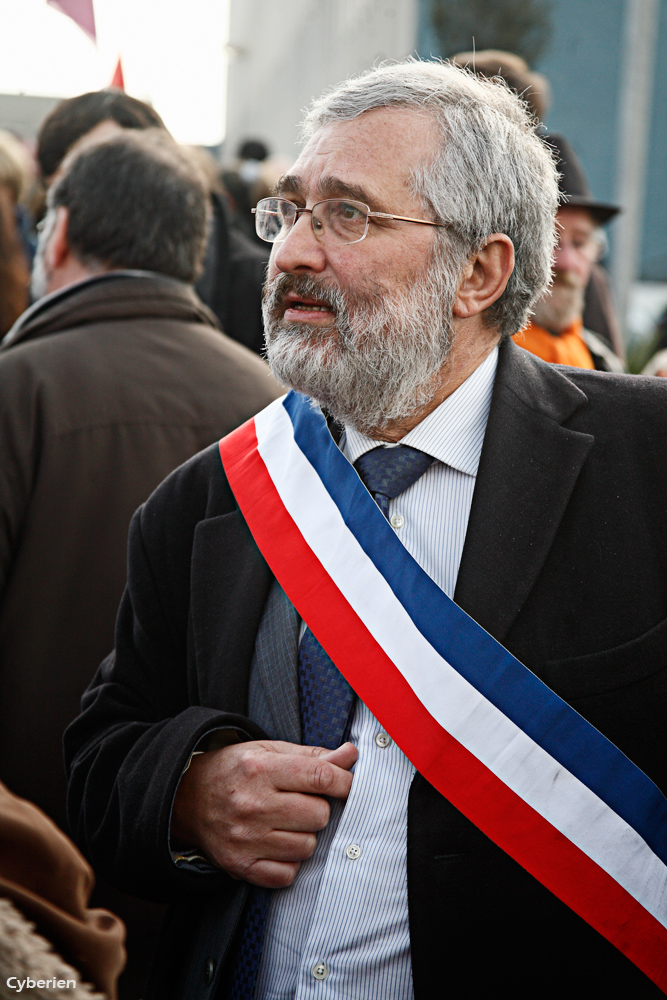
[251,177]
[15,249]
[115,376]
[47,930]
[599,312]
[657,363]
[244,183]
[19,174]
[234,265]
[556,331]
[533,87]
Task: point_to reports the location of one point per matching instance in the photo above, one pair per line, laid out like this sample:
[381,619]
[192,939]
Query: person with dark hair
[14,269]
[14,252]
[246,181]
[309,737]
[142,221]
[153,217]
[76,116]
[253,149]
[233,266]
[115,376]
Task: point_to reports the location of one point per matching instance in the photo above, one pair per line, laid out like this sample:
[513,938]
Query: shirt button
[397,520]
[353,851]
[320,971]
[383,740]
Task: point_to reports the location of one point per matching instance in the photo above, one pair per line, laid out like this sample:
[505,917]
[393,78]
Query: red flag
[81,12]
[117,80]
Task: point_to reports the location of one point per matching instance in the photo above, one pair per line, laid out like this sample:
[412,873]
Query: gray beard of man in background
[562,304]
[381,360]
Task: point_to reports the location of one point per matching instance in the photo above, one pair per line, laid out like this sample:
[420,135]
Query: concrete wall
[284,52]
[23,114]
[584,64]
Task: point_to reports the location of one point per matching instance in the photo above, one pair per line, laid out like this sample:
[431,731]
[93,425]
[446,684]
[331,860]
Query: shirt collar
[453,433]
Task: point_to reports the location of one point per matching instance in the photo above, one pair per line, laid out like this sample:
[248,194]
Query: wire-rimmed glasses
[335,220]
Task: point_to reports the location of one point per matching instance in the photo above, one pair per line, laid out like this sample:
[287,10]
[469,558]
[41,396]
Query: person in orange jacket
[556,332]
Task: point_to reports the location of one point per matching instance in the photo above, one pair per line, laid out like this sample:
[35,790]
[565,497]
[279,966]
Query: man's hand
[254,808]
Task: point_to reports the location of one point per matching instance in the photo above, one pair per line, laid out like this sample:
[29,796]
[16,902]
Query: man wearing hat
[556,332]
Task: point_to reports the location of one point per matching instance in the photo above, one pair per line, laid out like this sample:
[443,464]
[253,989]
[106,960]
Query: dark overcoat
[565,562]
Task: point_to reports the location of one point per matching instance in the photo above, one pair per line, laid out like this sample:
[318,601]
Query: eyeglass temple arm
[377,215]
[404,218]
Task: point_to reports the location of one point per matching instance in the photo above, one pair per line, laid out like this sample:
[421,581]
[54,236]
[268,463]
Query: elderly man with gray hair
[386,709]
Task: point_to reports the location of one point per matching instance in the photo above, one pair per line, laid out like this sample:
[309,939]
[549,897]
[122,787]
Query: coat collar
[528,468]
[109,296]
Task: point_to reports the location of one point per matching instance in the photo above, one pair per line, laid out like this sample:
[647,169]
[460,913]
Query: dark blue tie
[325,697]
[386,472]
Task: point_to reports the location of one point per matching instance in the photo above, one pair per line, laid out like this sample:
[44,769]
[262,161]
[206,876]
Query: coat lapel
[230,582]
[246,632]
[528,468]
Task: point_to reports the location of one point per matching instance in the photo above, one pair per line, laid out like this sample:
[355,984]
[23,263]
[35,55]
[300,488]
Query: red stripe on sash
[456,773]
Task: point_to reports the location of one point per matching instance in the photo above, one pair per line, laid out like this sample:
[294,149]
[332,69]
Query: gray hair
[492,174]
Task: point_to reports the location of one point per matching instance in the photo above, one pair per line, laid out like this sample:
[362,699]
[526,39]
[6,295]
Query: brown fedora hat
[573,185]
[532,87]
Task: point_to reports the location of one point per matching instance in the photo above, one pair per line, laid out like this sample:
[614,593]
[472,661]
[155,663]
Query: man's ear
[57,249]
[485,277]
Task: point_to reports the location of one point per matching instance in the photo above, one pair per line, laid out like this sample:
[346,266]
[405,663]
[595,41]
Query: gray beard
[382,359]
[561,305]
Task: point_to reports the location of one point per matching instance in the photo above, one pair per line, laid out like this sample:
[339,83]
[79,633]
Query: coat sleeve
[126,752]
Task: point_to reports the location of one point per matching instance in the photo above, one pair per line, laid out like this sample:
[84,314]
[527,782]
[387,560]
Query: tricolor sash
[511,755]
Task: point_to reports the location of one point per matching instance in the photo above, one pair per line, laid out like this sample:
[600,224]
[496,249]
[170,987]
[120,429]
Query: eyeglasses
[335,220]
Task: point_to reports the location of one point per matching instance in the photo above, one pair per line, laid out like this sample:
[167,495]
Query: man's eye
[348,212]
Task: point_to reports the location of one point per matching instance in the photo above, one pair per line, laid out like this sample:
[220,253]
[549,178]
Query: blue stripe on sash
[475,654]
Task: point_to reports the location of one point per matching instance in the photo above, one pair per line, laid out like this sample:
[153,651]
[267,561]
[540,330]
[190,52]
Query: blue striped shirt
[340,931]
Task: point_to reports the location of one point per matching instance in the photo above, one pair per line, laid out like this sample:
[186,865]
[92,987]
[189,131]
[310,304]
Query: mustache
[566,279]
[275,291]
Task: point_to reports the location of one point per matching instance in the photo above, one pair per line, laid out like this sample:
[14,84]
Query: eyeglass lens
[336,219]
[274,217]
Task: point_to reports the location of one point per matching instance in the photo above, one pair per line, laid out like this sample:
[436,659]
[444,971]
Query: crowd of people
[299,761]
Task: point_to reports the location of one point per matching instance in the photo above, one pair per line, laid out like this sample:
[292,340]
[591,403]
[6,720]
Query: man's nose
[301,250]
[562,257]
[569,258]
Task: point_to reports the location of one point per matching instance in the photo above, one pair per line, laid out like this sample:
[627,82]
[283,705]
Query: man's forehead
[369,158]
[329,186]
[575,217]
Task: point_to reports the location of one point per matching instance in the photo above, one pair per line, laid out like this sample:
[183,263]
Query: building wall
[23,114]
[584,64]
[654,245]
[282,54]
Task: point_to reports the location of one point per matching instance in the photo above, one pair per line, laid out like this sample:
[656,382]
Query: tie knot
[390,471]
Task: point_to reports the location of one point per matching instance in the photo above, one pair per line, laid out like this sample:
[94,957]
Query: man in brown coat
[112,379]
